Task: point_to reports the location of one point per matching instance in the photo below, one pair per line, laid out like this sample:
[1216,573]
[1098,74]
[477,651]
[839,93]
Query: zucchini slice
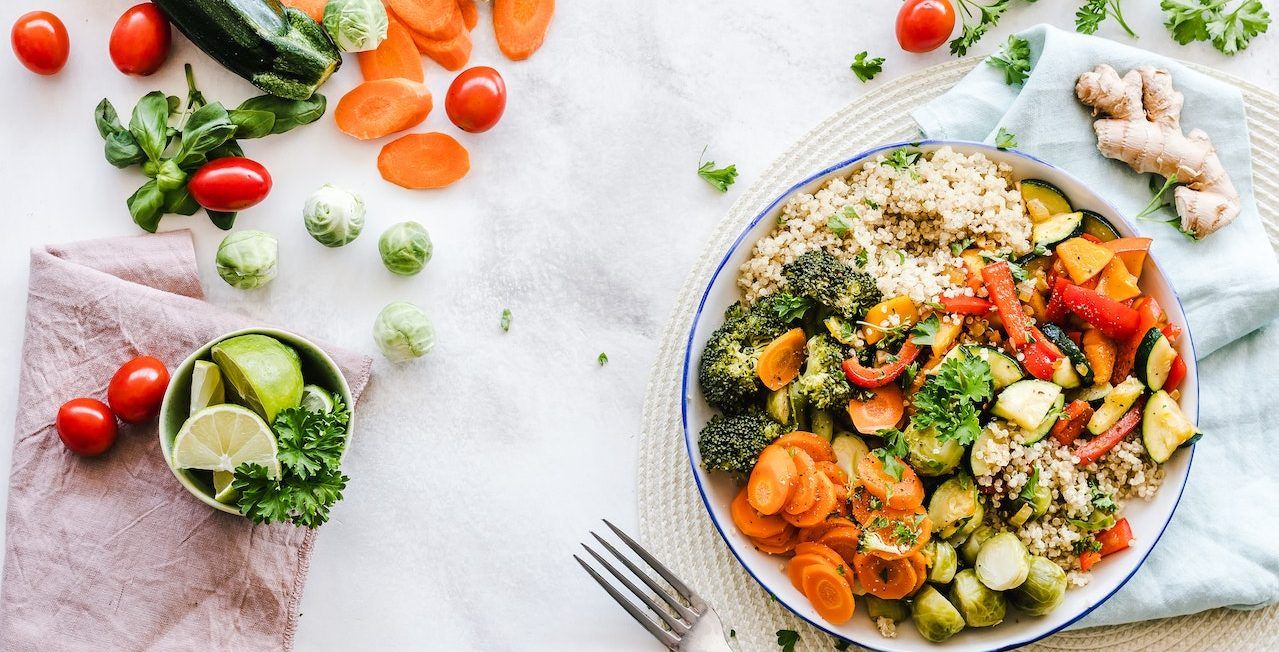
[1027,402]
[778,406]
[1115,405]
[1163,427]
[1155,356]
[1093,393]
[1004,370]
[1057,228]
[1099,227]
[1051,196]
[979,467]
[1031,436]
[1078,360]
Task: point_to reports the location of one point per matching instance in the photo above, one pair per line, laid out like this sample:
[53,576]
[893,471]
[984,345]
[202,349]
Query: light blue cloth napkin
[1222,547]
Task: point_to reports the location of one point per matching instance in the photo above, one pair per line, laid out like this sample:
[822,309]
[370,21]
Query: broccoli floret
[823,382]
[824,279]
[727,370]
[733,443]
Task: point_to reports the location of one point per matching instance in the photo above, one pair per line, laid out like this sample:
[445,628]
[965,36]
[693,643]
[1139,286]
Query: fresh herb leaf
[311,443]
[1101,500]
[891,454]
[976,18]
[870,203]
[146,206]
[150,124]
[908,375]
[925,332]
[305,502]
[205,129]
[1032,485]
[286,114]
[790,307]
[950,399]
[1230,31]
[786,639]
[251,123]
[1161,197]
[865,68]
[1014,59]
[1089,16]
[719,178]
[838,222]
[1005,139]
[505,322]
[900,159]
[602,359]
[861,258]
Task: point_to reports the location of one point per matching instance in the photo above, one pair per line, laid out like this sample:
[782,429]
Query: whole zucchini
[280,49]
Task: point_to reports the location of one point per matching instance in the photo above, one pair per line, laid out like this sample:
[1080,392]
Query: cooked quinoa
[900,222]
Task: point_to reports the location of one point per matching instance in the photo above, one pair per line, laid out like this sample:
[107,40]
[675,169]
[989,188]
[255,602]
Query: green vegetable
[976,17]
[953,502]
[929,453]
[865,68]
[732,444]
[1001,562]
[1090,15]
[1005,139]
[1014,59]
[944,561]
[1230,30]
[950,400]
[828,281]
[726,371]
[1043,590]
[279,49]
[786,639]
[934,616]
[405,248]
[505,321]
[900,159]
[719,178]
[980,606]
[972,545]
[402,332]
[602,359]
[823,383]
[333,216]
[248,259]
[895,610]
[892,452]
[356,25]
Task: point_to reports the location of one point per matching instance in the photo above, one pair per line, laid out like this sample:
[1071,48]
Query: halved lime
[262,371]
[317,399]
[207,387]
[222,437]
[223,491]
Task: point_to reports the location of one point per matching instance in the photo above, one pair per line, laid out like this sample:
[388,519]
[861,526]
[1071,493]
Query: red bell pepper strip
[1087,559]
[1175,375]
[1113,319]
[966,305]
[1003,291]
[1040,355]
[1091,238]
[1068,427]
[1117,538]
[872,377]
[1172,332]
[1055,313]
[1094,448]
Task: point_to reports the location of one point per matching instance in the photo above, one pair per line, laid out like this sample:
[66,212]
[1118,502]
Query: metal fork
[689,625]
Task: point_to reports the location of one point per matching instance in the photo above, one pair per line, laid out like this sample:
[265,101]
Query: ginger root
[1140,124]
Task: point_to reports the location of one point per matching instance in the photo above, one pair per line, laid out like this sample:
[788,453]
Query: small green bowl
[317,369]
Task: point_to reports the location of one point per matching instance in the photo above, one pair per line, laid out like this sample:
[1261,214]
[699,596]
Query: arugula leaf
[1202,20]
[865,68]
[505,322]
[1089,16]
[719,178]
[838,223]
[1014,59]
[1005,139]
[976,19]
[900,159]
[790,307]
[787,638]
[925,332]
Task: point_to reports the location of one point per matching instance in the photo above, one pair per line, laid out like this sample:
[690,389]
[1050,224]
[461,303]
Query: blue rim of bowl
[688,356]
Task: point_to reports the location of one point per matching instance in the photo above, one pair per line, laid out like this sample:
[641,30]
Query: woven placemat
[673,521]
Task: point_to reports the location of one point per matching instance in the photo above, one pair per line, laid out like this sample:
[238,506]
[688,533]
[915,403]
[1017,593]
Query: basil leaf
[180,201]
[122,150]
[147,206]
[170,176]
[288,113]
[150,124]
[229,148]
[221,220]
[252,123]
[206,128]
[107,120]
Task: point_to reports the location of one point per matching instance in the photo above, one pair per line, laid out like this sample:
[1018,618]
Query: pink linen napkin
[111,553]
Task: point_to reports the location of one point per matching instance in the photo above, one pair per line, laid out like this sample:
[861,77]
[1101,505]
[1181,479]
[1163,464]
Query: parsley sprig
[1090,16]
[719,178]
[977,18]
[866,68]
[786,639]
[949,400]
[1229,30]
[892,452]
[1005,139]
[790,307]
[1014,59]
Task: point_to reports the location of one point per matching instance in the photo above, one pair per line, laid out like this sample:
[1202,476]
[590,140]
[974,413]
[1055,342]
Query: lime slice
[316,399]
[223,491]
[262,371]
[206,386]
[222,437]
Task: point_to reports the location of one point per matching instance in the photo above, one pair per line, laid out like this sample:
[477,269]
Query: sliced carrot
[894,533]
[920,566]
[805,494]
[833,472]
[779,362]
[434,19]
[888,579]
[830,593]
[864,505]
[520,26]
[796,565]
[814,533]
[451,53]
[394,57]
[844,541]
[821,550]
[907,493]
[772,480]
[841,497]
[751,522]
[378,108]
[470,13]
[882,410]
[817,448]
[780,544]
[822,506]
[312,8]
[416,161]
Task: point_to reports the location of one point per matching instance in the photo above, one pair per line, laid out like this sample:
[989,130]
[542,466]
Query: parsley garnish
[925,331]
[976,18]
[893,450]
[1087,544]
[908,376]
[958,246]
[949,400]
[1201,20]
[1005,139]
[904,534]
[1101,500]
[719,178]
[1027,492]
[838,223]
[860,258]
[871,203]
[787,638]
[602,359]
[900,159]
[1014,59]
[1090,15]
[1163,197]
[865,68]
[505,322]
[790,307]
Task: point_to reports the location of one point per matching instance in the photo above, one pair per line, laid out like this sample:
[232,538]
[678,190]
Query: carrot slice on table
[436,19]
[312,8]
[907,493]
[772,480]
[394,57]
[817,448]
[843,540]
[779,544]
[830,593]
[520,26]
[882,410]
[821,550]
[814,533]
[822,506]
[779,362]
[751,522]
[805,494]
[889,579]
[382,107]
[416,161]
[470,13]
[451,53]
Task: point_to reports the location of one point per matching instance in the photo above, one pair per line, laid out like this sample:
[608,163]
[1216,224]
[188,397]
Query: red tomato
[86,426]
[230,184]
[476,99]
[40,40]
[140,40]
[137,388]
[923,25]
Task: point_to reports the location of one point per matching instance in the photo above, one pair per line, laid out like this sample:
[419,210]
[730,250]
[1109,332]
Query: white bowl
[1148,519]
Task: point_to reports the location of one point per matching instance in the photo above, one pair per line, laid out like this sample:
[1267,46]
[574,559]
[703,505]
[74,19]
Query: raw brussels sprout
[356,25]
[980,606]
[952,504]
[403,332]
[929,455]
[248,259]
[405,248]
[943,561]
[972,545]
[1001,562]
[333,216]
[934,616]
[1043,590]
[881,608]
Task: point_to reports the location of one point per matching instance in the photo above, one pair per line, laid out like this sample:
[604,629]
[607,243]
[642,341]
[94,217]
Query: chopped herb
[908,376]
[719,178]
[893,450]
[838,223]
[957,247]
[1005,139]
[1090,15]
[876,503]
[790,307]
[870,203]
[865,68]
[925,332]
[1101,500]
[505,322]
[900,159]
[904,535]
[1014,59]
[1087,544]
[786,639]
[602,359]
[1032,485]
[1201,20]
[901,256]
[860,258]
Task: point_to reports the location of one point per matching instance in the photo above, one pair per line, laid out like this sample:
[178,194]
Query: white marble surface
[480,468]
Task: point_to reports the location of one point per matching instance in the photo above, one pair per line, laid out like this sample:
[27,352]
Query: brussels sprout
[942,561]
[777,405]
[356,25]
[952,504]
[333,216]
[980,606]
[403,332]
[821,423]
[405,248]
[972,545]
[1001,562]
[970,525]
[881,608]
[1043,590]
[934,616]
[849,450]
[929,455]
[248,259]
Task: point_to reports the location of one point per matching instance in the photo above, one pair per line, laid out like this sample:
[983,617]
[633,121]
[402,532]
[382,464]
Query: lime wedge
[223,491]
[316,399]
[262,371]
[206,386]
[222,437]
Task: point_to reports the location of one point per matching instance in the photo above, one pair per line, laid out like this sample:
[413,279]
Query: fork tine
[680,628]
[688,616]
[666,638]
[698,605]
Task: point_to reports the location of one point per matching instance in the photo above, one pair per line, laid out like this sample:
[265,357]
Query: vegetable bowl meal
[946,386]
[256,423]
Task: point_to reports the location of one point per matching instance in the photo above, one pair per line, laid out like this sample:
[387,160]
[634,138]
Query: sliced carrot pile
[882,410]
[833,472]
[772,480]
[907,493]
[751,522]
[520,26]
[888,579]
[430,160]
[780,361]
[397,56]
[817,448]
[382,107]
[806,485]
[470,13]
[830,593]
[779,544]
[844,541]
[312,8]
[815,533]
[823,505]
[436,19]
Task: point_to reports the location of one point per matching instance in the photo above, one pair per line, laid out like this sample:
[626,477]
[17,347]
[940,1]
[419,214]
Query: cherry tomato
[137,388]
[923,25]
[140,40]
[476,99]
[86,426]
[40,40]
[230,184]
